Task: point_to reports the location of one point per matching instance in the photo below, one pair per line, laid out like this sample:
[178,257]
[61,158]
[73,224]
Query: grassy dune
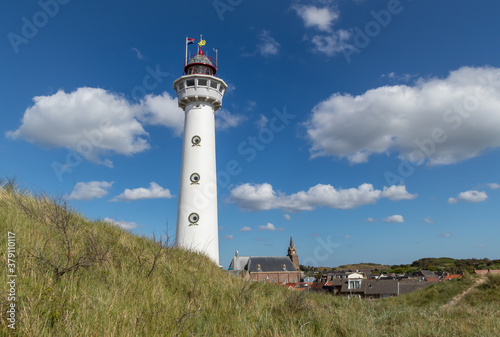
[78,277]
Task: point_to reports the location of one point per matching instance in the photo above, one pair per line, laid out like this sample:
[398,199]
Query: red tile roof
[451,277]
[432,279]
[318,285]
[296,286]
[480,272]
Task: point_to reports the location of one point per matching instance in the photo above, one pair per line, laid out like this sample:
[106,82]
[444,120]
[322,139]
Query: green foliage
[487,293]
[454,266]
[404,270]
[118,284]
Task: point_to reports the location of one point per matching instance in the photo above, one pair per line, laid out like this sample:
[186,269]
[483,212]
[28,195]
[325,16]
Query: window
[190,83]
[202,82]
[294,280]
[221,88]
[274,280]
[181,85]
[354,284]
[213,84]
[284,280]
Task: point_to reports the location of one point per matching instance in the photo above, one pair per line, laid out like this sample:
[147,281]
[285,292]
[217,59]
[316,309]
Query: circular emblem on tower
[196,140]
[195,179]
[193,219]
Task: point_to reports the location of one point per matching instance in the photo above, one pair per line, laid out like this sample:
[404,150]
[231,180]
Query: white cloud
[469,196]
[287,216]
[90,121]
[228,237]
[347,237]
[441,121]
[250,105]
[90,190]
[319,18]
[493,186]
[122,224]
[263,197]
[161,110]
[154,191]
[267,45]
[394,219]
[270,227]
[95,123]
[332,44]
[245,229]
[225,120]
[398,78]
[429,220]
[445,235]
[370,219]
[397,192]
[262,122]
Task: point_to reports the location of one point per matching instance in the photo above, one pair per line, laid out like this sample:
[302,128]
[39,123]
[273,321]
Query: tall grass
[78,277]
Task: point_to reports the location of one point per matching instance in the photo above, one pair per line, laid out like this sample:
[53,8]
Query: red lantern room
[200,64]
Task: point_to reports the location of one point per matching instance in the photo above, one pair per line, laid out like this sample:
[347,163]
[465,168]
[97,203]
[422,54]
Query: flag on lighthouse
[188,41]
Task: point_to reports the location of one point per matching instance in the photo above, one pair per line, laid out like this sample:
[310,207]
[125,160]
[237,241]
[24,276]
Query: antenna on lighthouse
[216,63]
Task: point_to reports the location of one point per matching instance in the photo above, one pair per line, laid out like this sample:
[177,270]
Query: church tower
[292,254]
[199,92]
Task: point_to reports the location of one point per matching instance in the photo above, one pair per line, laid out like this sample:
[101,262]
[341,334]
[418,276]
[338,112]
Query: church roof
[269,263]
[239,262]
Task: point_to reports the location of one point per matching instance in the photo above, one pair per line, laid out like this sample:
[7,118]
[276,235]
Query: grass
[78,277]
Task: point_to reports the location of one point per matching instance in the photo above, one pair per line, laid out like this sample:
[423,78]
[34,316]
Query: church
[268,269]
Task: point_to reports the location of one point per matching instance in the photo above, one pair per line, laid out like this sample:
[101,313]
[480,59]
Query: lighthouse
[199,92]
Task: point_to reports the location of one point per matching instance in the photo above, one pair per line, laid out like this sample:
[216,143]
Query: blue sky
[370,130]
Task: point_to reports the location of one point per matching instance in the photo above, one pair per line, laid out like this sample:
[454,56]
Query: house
[376,289]
[268,269]
[430,276]
[432,279]
[486,272]
[334,286]
[300,286]
[453,276]
[354,286]
[373,289]
[410,286]
[318,286]
[309,279]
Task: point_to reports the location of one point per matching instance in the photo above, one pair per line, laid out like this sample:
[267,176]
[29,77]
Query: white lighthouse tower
[199,93]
